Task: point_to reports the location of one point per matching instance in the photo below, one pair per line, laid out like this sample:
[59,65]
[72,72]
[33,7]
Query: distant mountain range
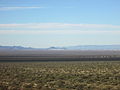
[14,47]
[95,47]
[80,47]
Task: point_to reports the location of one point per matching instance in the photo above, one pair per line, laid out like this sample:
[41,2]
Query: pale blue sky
[45,23]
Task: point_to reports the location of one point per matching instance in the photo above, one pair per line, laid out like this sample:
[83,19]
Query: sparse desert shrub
[60,76]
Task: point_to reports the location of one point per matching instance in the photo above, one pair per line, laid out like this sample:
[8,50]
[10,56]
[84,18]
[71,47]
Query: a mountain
[80,47]
[13,47]
[95,47]
[88,47]
[57,48]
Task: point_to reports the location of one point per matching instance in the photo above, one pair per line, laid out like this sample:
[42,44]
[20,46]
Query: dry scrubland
[60,76]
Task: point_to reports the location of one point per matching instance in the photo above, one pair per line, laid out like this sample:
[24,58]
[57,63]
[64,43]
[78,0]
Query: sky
[46,23]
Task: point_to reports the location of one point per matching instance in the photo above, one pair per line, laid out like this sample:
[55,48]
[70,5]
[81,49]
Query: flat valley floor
[80,75]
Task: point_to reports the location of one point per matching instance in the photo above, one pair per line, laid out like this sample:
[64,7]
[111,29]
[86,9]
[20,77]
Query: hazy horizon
[80,47]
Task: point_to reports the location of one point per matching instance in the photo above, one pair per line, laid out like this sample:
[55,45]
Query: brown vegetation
[60,76]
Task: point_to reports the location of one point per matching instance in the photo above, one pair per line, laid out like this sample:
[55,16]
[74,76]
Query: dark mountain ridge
[79,47]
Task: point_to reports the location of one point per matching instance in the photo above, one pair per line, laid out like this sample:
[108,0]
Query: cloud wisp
[60,32]
[59,26]
[18,8]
